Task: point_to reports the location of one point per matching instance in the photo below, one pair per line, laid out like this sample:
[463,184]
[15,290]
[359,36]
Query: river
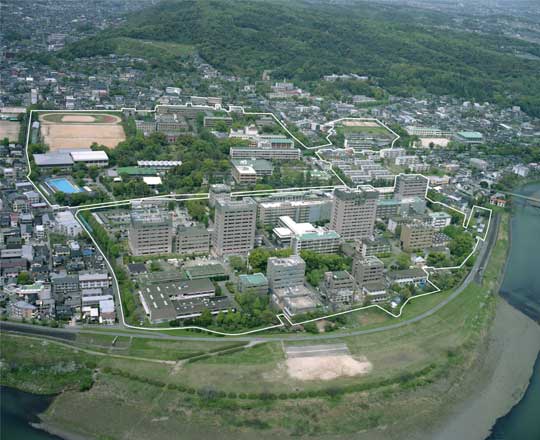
[18,410]
[521,288]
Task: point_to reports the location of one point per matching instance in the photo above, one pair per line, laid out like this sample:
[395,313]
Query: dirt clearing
[10,130]
[324,362]
[360,124]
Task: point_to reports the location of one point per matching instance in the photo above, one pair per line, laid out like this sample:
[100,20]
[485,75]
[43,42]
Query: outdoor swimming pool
[64,185]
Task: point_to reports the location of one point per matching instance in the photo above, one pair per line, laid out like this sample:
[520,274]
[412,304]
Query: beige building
[354,212]
[285,272]
[192,240]
[416,235]
[367,270]
[234,226]
[410,185]
[150,232]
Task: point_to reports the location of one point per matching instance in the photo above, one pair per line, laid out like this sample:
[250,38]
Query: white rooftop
[88,156]
[152,180]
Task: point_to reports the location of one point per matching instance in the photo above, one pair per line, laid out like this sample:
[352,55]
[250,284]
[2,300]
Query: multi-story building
[285,272]
[249,170]
[407,160]
[305,236]
[301,211]
[218,191]
[410,185]
[440,220]
[191,240]
[94,280]
[212,121]
[63,284]
[354,212]
[367,270]
[234,226]
[256,283]
[416,235]
[265,153]
[373,247]
[391,153]
[307,209]
[387,208]
[338,287]
[150,232]
[275,141]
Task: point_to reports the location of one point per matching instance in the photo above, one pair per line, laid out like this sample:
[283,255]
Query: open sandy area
[78,118]
[360,123]
[10,130]
[327,367]
[58,136]
[324,362]
[437,142]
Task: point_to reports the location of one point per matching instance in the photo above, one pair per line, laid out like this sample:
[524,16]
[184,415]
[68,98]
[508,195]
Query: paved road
[68,332]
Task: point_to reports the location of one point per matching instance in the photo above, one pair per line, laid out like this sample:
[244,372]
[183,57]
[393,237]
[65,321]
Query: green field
[151,49]
[375,131]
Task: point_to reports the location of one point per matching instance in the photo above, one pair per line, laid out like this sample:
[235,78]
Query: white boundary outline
[282,317]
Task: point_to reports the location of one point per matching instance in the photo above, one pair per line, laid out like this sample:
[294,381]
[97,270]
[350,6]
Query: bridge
[534,201]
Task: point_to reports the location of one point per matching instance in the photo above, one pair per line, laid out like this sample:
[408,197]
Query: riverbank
[500,380]
[57,431]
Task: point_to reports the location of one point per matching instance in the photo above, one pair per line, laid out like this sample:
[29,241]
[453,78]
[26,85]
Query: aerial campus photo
[261,219]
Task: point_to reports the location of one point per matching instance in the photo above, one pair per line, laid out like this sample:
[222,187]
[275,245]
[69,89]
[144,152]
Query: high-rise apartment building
[354,212]
[234,226]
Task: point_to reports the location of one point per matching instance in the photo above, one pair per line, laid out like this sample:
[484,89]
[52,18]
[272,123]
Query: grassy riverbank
[245,392]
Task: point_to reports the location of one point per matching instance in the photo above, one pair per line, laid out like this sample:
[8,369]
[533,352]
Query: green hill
[408,50]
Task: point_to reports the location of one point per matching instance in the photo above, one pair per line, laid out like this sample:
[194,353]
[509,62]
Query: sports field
[81,130]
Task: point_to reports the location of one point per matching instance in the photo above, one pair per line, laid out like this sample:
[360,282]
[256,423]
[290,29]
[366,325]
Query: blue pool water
[64,185]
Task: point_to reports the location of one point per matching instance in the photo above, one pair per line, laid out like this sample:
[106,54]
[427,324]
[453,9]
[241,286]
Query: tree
[24,278]
[403,261]
[155,266]
[237,263]
[205,319]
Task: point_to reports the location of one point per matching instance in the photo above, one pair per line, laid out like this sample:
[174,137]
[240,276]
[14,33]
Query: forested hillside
[409,51]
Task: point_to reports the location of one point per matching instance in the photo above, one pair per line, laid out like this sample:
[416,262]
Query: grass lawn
[378,130]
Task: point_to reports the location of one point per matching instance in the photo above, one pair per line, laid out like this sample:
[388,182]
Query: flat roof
[137,171]
[256,279]
[53,159]
[205,270]
[152,180]
[470,134]
[89,155]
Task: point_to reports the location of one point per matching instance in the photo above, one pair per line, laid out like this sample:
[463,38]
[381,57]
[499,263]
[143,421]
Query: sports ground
[81,130]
